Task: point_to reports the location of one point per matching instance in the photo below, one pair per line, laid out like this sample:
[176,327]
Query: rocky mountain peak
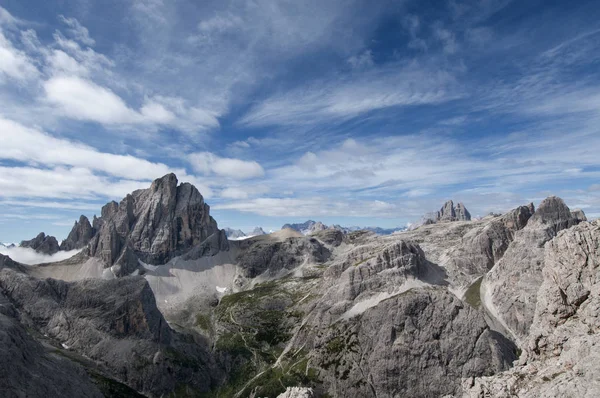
[258,231]
[554,213]
[42,244]
[79,236]
[154,225]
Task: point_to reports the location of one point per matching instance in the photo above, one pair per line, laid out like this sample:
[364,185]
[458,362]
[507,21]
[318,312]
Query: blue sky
[351,112]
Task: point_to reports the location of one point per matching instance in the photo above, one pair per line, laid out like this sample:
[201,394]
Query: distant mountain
[257,231]
[234,233]
[306,228]
[7,245]
[310,227]
[42,244]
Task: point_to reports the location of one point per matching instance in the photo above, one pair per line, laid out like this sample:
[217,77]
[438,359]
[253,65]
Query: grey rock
[450,213]
[484,245]
[418,344]
[116,324]
[260,255]
[154,225]
[579,215]
[297,392]
[330,236]
[80,235]
[561,354]
[509,290]
[42,244]
[28,370]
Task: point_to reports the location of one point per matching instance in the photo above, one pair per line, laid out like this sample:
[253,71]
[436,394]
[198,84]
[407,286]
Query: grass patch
[203,322]
[472,295]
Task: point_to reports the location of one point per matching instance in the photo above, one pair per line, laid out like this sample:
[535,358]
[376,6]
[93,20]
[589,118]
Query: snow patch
[221,289]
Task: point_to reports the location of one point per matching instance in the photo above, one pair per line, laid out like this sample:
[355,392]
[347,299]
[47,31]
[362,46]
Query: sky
[366,113]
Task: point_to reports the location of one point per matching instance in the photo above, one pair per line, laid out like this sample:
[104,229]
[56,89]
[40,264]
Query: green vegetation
[203,322]
[253,327]
[472,295]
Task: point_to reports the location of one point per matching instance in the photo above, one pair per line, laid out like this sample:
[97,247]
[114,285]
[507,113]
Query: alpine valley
[158,302]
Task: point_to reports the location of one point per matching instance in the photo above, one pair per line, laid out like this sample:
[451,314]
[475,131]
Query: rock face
[561,354]
[450,213]
[153,225]
[482,247]
[115,323]
[80,235]
[27,370]
[273,256]
[42,244]
[381,329]
[509,290]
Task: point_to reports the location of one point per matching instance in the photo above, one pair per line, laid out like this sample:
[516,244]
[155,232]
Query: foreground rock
[28,370]
[509,290]
[114,323]
[80,235]
[42,244]
[154,225]
[561,353]
[381,328]
[449,212]
[484,245]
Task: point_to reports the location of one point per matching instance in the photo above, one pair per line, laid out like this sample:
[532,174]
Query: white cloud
[244,192]
[207,163]
[79,32]
[14,63]
[29,145]
[29,256]
[84,100]
[312,207]
[339,99]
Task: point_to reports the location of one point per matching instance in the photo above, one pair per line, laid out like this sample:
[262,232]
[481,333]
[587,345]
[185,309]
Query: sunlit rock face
[154,225]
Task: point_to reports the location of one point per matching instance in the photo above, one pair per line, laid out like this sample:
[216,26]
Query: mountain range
[158,302]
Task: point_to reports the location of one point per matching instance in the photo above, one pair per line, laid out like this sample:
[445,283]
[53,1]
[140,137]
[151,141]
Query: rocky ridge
[337,313]
[42,244]
[510,288]
[561,351]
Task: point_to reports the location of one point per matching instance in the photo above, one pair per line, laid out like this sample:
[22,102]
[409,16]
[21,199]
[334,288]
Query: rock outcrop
[449,212]
[28,370]
[561,354]
[42,244]
[115,323]
[272,256]
[509,290]
[484,245]
[385,326]
[80,235]
[153,225]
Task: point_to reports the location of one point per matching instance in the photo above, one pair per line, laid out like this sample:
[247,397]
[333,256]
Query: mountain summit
[154,225]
